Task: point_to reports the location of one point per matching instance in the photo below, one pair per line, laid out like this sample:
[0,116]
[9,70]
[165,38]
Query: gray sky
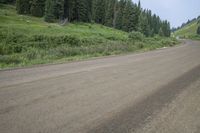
[175,11]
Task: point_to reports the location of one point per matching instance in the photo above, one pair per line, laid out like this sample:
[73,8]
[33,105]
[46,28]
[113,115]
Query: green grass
[27,40]
[189,31]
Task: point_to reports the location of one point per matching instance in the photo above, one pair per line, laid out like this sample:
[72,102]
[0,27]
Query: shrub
[32,54]
[136,36]
[6,49]
[139,45]
[53,41]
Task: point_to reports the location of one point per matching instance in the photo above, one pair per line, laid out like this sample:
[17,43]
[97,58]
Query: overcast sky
[175,11]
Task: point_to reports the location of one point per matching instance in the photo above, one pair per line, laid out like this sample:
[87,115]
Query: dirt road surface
[152,92]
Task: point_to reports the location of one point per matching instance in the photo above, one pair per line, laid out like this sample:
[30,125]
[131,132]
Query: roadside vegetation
[26,40]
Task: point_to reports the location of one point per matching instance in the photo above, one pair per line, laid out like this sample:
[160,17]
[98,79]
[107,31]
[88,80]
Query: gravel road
[151,92]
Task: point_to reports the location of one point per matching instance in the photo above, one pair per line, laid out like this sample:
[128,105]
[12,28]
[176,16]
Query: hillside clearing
[189,31]
[27,40]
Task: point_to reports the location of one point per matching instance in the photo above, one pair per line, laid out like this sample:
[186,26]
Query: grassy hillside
[27,40]
[189,31]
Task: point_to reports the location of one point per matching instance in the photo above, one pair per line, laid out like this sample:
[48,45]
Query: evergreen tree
[137,9]
[89,10]
[58,9]
[119,14]
[37,8]
[110,12]
[149,18]
[23,6]
[69,9]
[155,24]
[54,9]
[98,11]
[49,11]
[144,26]
[166,28]
[128,17]
[133,22]
[83,11]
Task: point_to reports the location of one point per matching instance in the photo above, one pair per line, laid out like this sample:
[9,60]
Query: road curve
[152,92]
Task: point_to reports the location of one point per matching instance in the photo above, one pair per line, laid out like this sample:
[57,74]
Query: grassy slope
[32,25]
[188,31]
[27,40]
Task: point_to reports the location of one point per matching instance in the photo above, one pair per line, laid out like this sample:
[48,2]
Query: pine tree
[49,11]
[59,9]
[82,11]
[143,25]
[137,9]
[69,9]
[89,10]
[128,17]
[119,14]
[110,12]
[155,24]
[166,28]
[54,9]
[23,6]
[98,11]
[37,8]
[132,25]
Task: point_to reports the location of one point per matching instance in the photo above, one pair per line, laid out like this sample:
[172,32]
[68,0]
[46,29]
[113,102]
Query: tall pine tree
[110,13]
[59,9]
[119,14]
[49,11]
[82,11]
[99,11]
[128,17]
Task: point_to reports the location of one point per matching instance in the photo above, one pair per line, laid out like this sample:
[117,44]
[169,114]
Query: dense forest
[120,14]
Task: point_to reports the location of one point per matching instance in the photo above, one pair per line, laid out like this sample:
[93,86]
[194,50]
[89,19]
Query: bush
[53,41]
[136,36]
[32,54]
[139,45]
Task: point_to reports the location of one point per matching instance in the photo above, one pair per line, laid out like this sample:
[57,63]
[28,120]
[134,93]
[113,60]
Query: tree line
[120,14]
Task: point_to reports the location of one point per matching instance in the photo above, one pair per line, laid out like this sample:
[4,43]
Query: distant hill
[189,29]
